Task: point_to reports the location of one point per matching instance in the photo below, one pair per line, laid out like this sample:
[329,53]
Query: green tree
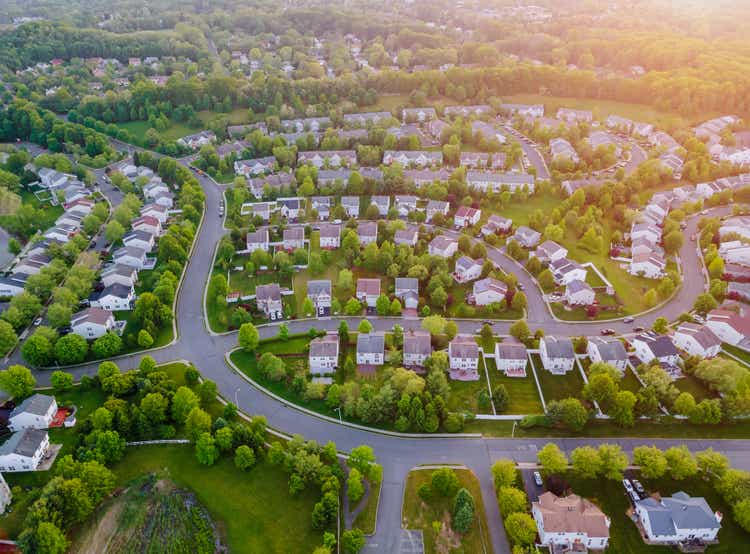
[521,528]
[352,541]
[520,330]
[463,511]
[622,408]
[37,350]
[613,461]
[519,301]
[18,382]
[504,473]
[197,423]
[511,500]
[568,411]
[7,337]
[248,337]
[71,349]
[205,449]
[61,381]
[704,303]
[712,463]
[355,490]
[145,340]
[244,457]
[585,461]
[106,346]
[114,231]
[382,305]
[680,462]
[444,481]
[661,325]
[365,326]
[183,402]
[154,407]
[362,458]
[552,459]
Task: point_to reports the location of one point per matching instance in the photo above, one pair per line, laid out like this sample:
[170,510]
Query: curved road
[397,455]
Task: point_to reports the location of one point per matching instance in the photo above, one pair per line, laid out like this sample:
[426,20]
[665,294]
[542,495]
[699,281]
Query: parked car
[37,322]
[628,486]
[638,486]
[637,329]
[538,479]
[628,319]
[607,332]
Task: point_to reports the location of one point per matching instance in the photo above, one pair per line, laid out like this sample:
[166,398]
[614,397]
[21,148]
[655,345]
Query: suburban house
[156,211]
[422,177]
[465,111]
[497,224]
[467,269]
[383,203]
[319,292]
[351,205]
[650,345]
[442,246]
[649,265]
[130,255]
[408,236]
[140,239]
[367,231]
[476,160]
[328,158]
[417,348]
[511,358]
[572,185]
[526,237]
[645,230]
[574,116]
[255,166]
[257,240]
[481,130]
[197,140]
[557,354]
[24,450]
[265,185]
[549,251]
[598,139]
[466,217]
[330,235]
[680,518]
[730,326]
[608,350]
[115,297]
[489,181]
[306,124]
[5,494]
[370,349]
[463,353]
[324,354]
[524,110]
[697,340]
[13,285]
[735,252]
[92,323]
[60,233]
[268,301]
[290,207]
[36,412]
[322,205]
[119,274]
[413,158]
[570,523]
[565,270]
[32,265]
[293,238]
[562,149]
[739,291]
[739,226]
[435,207]
[419,115]
[405,204]
[365,118]
[407,291]
[147,223]
[368,291]
[488,291]
[579,293]
[436,128]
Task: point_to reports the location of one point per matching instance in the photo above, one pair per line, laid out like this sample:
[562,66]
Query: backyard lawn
[694,386]
[524,396]
[416,514]
[557,387]
[465,394]
[630,382]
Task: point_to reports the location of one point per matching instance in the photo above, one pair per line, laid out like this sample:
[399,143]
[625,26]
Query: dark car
[607,332]
[637,329]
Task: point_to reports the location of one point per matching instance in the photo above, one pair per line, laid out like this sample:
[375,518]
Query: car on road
[628,319]
[538,479]
[520,286]
[638,329]
[37,322]
[606,332]
[704,212]
[638,486]
[628,486]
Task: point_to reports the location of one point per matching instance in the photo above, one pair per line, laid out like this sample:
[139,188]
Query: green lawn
[245,283]
[738,352]
[367,518]
[465,394]
[415,514]
[694,386]
[178,130]
[47,216]
[254,510]
[557,387]
[630,382]
[524,397]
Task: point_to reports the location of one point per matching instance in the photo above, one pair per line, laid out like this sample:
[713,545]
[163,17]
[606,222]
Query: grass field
[557,387]
[630,382]
[694,386]
[178,130]
[415,514]
[465,394]
[367,518]
[524,397]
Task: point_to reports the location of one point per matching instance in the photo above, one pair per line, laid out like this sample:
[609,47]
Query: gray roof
[511,351]
[371,343]
[271,291]
[115,289]
[367,229]
[680,511]
[464,347]
[294,233]
[119,269]
[660,345]
[37,404]
[406,283]
[417,342]
[559,347]
[609,349]
[24,443]
[316,288]
[325,347]
[576,285]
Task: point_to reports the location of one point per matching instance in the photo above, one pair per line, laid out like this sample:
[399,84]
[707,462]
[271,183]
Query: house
[466,217]
[114,298]
[290,207]
[442,246]
[603,139]
[419,115]
[408,236]
[81,207]
[367,231]
[93,323]
[651,232]
[156,211]
[481,130]
[261,187]
[405,204]
[351,205]
[119,274]
[60,233]
[383,203]
[417,348]
[197,140]
[489,181]
[368,291]
[549,251]
[697,340]
[477,160]
[407,291]
[32,265]
[739,226]
[735,252]
[257,240]
[564,271]
[736,272]
[557,354]
[412,158]
[130,255]
[423,177]
[673,164]
[650,345]
[5,494]
[497,224]
[370,349]
[154,187]
[467,269]
[649,265]
[526,237]
[463,354]
[319,292]
[663,141]
[435,207]
[324,354]
[574,116]
[69,218]
[676,519]
[330,235]
[511,358]
[478,110]
[739,291]
[147,223]
[561,149]
[52,179]
[306,124]
[436,127]
[322,205]
[327,158]
[524,110]
[255,166]
[730,326]
[293,238]
[35,412]
[268,301]
[488,291]
[572,185]
[608,350]
[140,239]
[366,118]
[579,293]
[24,450]
[13,285]
[570,523]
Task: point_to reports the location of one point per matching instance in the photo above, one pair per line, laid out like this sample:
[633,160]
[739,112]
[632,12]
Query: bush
[454,423]
[463,511]
[425,492]
[445,481]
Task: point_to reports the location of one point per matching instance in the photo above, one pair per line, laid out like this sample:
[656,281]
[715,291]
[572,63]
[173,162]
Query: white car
[538,479]
[628,486]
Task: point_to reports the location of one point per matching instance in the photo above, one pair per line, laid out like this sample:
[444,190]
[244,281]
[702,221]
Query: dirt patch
[446,539]
[96,535]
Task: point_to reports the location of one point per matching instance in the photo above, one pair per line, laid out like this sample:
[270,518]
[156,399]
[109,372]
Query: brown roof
[368,286]
[94,315]
[572,514]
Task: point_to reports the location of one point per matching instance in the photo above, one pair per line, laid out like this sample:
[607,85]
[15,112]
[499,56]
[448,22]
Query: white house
[130,255]
[12,286]
[319,292]
[351,205]
[463,354]
[36,412]
[526,110]
[467,269]
[290,207]
[572,116]
[557,354]
[570,522]
[114,298]
[92,323]
[119,274]
[408,236]
[330,235]
[488,291]
[324,354]
[442,246]
[328,158]
[608,350]
[407,291]
[257,240]
[435,207]
[644,230]
[697,340]
[527,237]
[368,291]
[562,149]
[370,349]
[140,239]
[565,271]
[579,293]
[650,345]
[731,327]
[549,251]
[412,158]
[511,358]
[466,217]
[676,519]
[256,166]
[383,203]
[197,140]
[497,224]
[367,231]
[156,211]
[268,301]
[739,225]
[648,265]
[147,223]
[293,238]
[405,204]
[417,348]
[735,252]
[24,450]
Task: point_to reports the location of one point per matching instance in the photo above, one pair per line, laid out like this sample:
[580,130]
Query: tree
[704,303]
[114,231]
[680,462]
[71,349]
[7,337]
[511,500]
[712,463]
[145,340]
[61,381]
[521,528]
[601,388]
[463,511]
[284,332]
[183,402]
[154,407]
[107,345]
[365,326]
[382,305]
[59,315]
[352,541]
[244,457]
[673,241]
[37,350]
[519,301]
[622,408]
[684,404]
[500,398]
[49,539]
[568,411]
[586,462]
[434,324]
[504,473]
[205,449]
[248,337]
[546,280]
[742,513]
[18,382]
[196,423]
[651,460]
[613,461]
[355,490]
[552,459]
[445,481]
[362,458]
[520,330]
[661,325]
